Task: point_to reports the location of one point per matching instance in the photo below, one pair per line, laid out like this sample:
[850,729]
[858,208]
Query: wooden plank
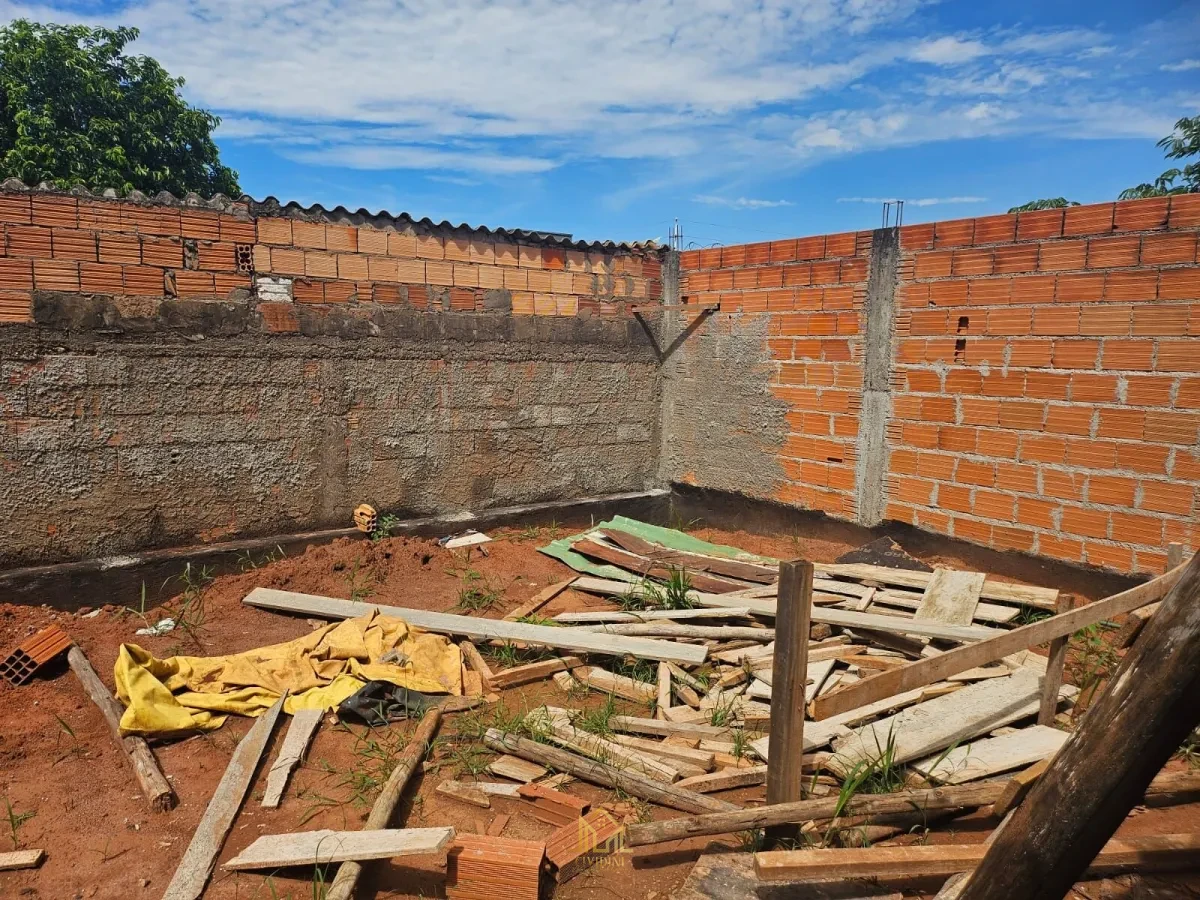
[663,700]
[476,661]
[201,855]
[733,568]
[1123,741]
[951,597]
[1159,853]
[724,780]
[1136,621]
[540,599]
[517,769]
[789,677]
[1054,668]
[560,730]
[637,725]
[932,726]
[647,615]
[966,796]
[607,682]
[675,753]
[509,678]
[685,632]
[652,569]
[603,774]
[464,793]
[21,859]
[497,825]
[927,671]
[991,756]
[150,778]
[1026,595]
[300,732]
[608,587]
[346,881]
[319,848]
[902,625]
[984,612]
[483,629]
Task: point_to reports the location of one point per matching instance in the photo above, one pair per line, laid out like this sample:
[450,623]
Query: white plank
[1045,598]
[993,755]
[951,597]
[903,625]
[647,615]
[483,629]
[516,768]
[984,612]
[607,682]
[300,732]
[21,859]
[817,673]
[318,848]
[562,732]
[201,855]
[724,780]
[934,725]
[467,540]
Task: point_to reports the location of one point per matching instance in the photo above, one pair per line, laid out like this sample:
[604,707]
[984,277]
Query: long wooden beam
[483,629]
[927,671]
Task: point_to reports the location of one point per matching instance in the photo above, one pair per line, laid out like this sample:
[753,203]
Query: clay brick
[55,275]
[459,250]
[1189,394]
[1036,513]
[994,505]
[468,276]
[1185,211]
[1149,459]
[225,283]
[1075,354]
[989,291]
[930,321]
[492,277]
[1127,424]
[1179,284]
[72,244]
[757,254]
[1080,288]
[384,268]
[970,472]
[1033,289]
[772,277]
[979,351]
[162,252]
[1086,387]
[1167,497]
[1057,256]
[948,293]
[309,235]
[1096,218]
[1004,384]
[1022,415]
[352,267]
[430,246]
[1062,485]
[954,498]
[194,284]
[972,262]
[16,306]
[1005,537]
[936,264]
[305,290]
[275,231]
[1177,356]
[1141,215]
[1148,390]
[216,257]
[152,220]
[341,238]
[1085,522]
[1017,477]
[200,225]
[514,279]
[55,212]
[1109,556]
[1113,320]
[101,278]
[916,237]
[1164,249]
[371,241]
[1161,320]
[143,281]
[1018,258]
[953,233]
[389,294]
[320,265]
[1039,223]
[854,270]
[971,530]
[16,274]
[16,209]
[1067,549]
[1009,321]
[1089,454]
[439,272]
[1172,426]
[235,230]
[539,280]
[29,241]
[1130,285]
[995,229]
[910,490]
[1111,490]
[799,275]
[1030,353]
[1112,252]
[843,244]
[100,215]
[1055,321]
[1132,354]
[1132,528]
[279,318]
[826,271]
[1047,385]
[733,256]
[938,409]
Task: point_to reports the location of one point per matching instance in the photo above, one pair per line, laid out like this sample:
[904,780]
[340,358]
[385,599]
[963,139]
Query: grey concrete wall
[126,431]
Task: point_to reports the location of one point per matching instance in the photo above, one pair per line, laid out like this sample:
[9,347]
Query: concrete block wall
[1038,377]
[174,372]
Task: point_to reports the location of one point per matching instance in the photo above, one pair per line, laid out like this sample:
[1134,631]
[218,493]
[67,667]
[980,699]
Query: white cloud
[1184,65]
[740,202]
[946,51]
[918,201]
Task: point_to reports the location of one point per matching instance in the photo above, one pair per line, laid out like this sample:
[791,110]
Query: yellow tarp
[320,670]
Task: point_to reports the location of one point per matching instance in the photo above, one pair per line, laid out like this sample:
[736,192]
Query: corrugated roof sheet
[271,206]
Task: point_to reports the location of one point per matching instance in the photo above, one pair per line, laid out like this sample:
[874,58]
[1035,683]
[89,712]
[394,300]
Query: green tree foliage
[75,110]
[1180,144]
[1051,203]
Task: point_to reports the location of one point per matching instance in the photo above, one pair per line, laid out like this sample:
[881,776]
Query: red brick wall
[812,290]
[1045,379]
[59,242]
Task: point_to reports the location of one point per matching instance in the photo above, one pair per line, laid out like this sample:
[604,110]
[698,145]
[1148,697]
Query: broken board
[310,848]
[991,756]
[951,597]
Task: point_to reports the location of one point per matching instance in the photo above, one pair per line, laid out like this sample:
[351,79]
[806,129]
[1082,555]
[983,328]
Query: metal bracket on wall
[704,310]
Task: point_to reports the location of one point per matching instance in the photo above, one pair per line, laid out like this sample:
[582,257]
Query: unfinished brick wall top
[146,247]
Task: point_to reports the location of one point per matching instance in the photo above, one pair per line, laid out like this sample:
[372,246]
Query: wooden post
[664,691]
[389,798]
[1054,668]
[789,677]
[145,768]
[1103,770]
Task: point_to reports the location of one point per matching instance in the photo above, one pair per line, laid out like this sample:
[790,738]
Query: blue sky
[609,118]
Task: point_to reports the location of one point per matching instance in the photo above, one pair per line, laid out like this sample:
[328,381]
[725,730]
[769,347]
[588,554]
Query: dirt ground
[65,787]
